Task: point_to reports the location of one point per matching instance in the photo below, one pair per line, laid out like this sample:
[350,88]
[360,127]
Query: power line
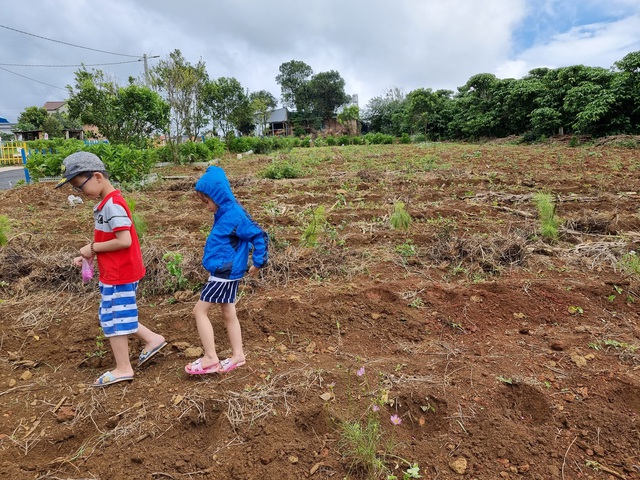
[33,79]
[63,66]
[69,44]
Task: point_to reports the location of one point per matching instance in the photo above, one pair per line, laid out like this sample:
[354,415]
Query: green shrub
[239,145]
[319,142]
[357,140]
[163,154]
[331,141]
[345,140]
[48,164]
[243,144]
[190,152]
[216,146]
[263,145]
[419,138]
[123,163]
[405,138]
[278,170]
[378,139]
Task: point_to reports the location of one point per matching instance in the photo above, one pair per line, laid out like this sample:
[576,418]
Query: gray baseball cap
[77,163]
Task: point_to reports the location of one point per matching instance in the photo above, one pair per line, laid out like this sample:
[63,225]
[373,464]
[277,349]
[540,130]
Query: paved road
[9,176]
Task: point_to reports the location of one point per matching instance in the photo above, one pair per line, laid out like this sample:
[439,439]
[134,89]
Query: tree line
[572,100]
[180,101]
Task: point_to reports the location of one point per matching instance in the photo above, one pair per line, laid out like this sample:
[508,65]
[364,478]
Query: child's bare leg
[233,330]
[151,339]
[120,348]
[205,330]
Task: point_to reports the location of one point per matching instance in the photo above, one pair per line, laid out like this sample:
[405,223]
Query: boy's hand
[86,252]
[253,271]
[77,261]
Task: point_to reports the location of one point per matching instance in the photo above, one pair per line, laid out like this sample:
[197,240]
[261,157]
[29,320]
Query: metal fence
[11,153]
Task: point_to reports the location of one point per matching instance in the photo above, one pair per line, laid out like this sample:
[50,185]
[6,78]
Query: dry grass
[250,405]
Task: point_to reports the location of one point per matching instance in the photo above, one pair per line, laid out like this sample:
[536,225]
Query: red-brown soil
[505,355]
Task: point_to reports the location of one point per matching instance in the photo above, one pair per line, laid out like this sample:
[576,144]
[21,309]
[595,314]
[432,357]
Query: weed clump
[278,170]
[547,212]
[4,230]
[400,218]
[317,222]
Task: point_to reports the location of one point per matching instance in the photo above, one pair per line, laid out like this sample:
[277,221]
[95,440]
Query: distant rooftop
[52,106]
[279,115]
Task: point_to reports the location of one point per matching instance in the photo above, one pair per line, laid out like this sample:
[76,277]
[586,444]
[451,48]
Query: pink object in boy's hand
[87,270]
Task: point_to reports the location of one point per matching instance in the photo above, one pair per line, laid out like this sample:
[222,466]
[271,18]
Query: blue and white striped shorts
[219,290]
[118,309]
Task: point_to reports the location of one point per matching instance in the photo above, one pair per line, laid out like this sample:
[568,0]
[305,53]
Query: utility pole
[146,70]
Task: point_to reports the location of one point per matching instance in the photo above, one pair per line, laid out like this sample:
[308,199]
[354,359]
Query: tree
[227,103]
[262,104]
[625,87]
[545,121]
[124,115]
[293,77]
[182,86]
[349,117]
[31,119]
[386,114]
[476,113]
[426,112]
[52,126]
[516,100]
[326,93]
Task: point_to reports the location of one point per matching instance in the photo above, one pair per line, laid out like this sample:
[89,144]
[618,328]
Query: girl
[226,255]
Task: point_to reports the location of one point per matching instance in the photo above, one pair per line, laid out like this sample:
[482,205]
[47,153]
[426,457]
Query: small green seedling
[400,218]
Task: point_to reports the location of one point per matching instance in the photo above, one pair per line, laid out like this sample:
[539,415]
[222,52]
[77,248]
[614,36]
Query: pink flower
[395,419]
[375,408]
[360,371]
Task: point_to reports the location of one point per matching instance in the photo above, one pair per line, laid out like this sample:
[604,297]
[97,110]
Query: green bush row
[123,163]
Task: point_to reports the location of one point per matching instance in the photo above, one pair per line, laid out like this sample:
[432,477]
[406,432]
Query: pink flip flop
[226,366]
[195,368]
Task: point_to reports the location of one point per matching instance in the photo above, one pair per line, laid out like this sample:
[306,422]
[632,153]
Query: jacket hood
[215,185]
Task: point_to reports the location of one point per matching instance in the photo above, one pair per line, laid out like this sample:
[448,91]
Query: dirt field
[496,352]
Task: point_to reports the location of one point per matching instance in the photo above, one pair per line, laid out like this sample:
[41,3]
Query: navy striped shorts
[218,290]
[118,312]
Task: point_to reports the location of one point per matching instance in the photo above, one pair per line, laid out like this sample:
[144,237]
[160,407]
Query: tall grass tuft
[317,222]
[549,222]
[4,230]
[360,442]
[400,218]
[138,220]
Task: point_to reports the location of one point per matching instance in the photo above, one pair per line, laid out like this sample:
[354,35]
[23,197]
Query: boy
[117,250]
[226,255]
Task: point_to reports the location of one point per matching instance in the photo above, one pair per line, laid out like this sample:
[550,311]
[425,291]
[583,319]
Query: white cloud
[599,44]
[374,44]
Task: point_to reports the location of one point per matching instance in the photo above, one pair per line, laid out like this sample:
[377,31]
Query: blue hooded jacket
[226,253]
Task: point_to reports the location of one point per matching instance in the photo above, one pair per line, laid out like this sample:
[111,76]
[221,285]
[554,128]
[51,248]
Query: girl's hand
[77,261]
[253,271]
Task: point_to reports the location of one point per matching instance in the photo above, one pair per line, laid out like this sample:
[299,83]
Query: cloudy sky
[374,44]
